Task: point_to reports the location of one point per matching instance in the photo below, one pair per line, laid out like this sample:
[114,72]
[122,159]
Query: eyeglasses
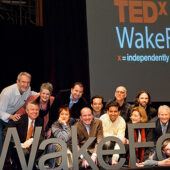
[121,92]
[97,104]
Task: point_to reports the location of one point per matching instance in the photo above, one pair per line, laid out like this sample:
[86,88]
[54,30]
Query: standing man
[143,99]
[11,99]
[89,127]
[125,108]
[113,125]
[74,98]
[97,106]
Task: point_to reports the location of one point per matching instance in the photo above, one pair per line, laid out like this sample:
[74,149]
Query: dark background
[56,52]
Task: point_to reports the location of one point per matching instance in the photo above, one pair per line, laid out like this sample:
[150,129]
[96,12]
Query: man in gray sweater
[154,161]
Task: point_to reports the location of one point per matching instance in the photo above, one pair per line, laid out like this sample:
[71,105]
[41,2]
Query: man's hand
[140,164]
[165,162]
[27,143]
[114,162]
[125,141]
[84,163]
[14,117]
[94,158]
[63,122]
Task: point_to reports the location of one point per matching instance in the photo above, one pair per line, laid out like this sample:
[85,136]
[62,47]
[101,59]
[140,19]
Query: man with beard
[143,99]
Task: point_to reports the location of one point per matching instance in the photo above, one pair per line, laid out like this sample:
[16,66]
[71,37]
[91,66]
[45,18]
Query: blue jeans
[2,126]
[51,162]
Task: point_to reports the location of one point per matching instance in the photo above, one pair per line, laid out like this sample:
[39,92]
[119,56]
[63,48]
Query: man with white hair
[162,124]
[120,97]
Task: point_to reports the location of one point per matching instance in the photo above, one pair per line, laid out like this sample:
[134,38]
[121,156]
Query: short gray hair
[23,74]
[163,107]
[47,86]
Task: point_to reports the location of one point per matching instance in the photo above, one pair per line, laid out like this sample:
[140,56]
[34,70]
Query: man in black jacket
[162,124]
[25,127]
[73,98]
[143,99]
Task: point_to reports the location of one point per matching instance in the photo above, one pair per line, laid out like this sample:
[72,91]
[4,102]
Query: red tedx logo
[139,10]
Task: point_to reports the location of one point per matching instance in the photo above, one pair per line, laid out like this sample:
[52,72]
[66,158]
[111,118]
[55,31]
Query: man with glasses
[120,97]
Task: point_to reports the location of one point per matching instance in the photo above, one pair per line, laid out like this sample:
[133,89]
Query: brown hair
[142,113]
[165,143]
[34,102]
[79,84]
[64,107]
[138,95]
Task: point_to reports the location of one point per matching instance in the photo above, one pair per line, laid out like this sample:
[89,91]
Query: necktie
[30,131]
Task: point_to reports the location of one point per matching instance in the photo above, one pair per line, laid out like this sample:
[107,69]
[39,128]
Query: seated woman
[60,129]
[154,161]
[138,115]
[45,101]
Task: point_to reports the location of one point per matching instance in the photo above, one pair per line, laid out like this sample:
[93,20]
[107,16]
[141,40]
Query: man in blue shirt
[11,99]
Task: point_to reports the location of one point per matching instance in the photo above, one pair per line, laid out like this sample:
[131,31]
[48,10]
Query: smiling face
[164,116]
[97,104]
[120,93]
[135,117]
[77,92]
[32,111]
[86,116]
[44,95]
[166,150]
[113,113]
[23,83]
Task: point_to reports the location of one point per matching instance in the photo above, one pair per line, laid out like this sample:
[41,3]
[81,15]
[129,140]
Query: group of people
[25,109]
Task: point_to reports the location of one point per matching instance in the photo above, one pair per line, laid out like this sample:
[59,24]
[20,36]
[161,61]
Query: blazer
[22,127]
[155,133]
[96,130]
[63,97]
[22,110]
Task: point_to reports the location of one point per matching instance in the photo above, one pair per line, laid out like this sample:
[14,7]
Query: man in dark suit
[73,98]
[162,124]
[89,127]
[25,127]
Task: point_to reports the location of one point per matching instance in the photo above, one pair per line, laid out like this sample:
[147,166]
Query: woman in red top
[45,101]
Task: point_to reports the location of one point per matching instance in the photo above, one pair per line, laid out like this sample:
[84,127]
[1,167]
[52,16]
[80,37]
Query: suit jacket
[22,127]
[155,133]
[63,97]
[22,110]
[96,130]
